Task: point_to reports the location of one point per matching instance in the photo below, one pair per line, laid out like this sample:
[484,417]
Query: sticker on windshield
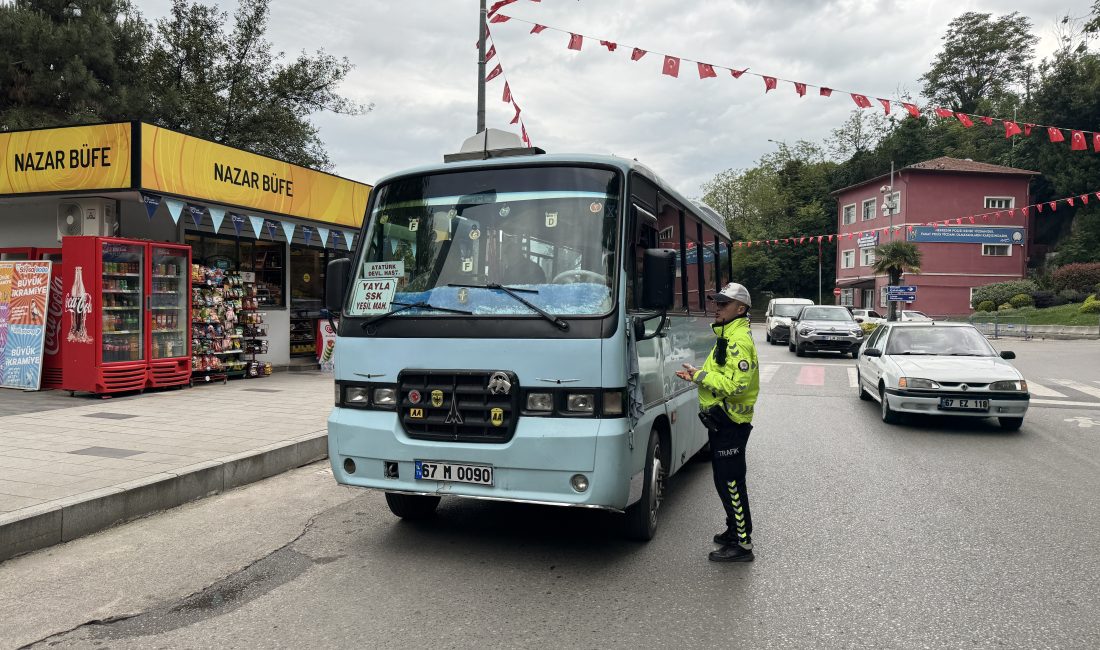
[467,264]
[475,234]
[414,225]
[595,207]
[373,296]
[551,219]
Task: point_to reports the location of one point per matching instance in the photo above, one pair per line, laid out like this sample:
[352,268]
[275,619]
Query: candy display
[225,325]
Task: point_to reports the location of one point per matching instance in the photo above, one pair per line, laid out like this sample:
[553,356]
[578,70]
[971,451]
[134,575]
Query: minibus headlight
[356,396]
[338,389]
[540,402]
[385,397]
[580,403]
[613,402]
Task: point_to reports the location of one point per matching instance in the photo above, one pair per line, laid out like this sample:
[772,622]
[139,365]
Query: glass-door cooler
[169,315]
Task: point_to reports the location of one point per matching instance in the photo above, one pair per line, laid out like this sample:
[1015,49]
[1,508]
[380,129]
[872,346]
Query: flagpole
[481,69]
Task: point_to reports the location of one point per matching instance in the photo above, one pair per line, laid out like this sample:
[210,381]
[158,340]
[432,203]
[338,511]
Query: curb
[63,520]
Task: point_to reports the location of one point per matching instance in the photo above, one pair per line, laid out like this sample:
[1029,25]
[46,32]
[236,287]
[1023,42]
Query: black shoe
[729,537]
[731,553]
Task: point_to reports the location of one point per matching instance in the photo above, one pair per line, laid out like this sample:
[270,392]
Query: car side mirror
[794,319]
[872,352]
[336,284]
[658,278]
[1008,354]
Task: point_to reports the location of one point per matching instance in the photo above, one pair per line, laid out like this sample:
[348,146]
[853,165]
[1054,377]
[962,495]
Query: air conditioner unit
[87,216]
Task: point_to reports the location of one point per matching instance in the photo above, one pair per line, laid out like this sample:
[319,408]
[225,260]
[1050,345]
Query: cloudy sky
[416,61]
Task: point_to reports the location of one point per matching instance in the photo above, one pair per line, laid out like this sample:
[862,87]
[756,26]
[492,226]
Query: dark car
[825,327]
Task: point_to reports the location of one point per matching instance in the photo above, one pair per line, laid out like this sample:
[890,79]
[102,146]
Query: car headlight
[806,331]
[857,333]
[543,402]
[385,397]
[580,403]
[1015,385]
[914,382]
[356,396]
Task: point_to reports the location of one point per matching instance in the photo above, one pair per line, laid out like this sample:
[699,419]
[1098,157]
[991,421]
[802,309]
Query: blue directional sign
[901,289]
[901,293]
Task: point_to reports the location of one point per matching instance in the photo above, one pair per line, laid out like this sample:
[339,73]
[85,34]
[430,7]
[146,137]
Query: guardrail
[995,325]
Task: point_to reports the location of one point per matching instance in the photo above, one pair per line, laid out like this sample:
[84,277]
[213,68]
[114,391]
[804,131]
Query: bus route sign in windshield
[374,293]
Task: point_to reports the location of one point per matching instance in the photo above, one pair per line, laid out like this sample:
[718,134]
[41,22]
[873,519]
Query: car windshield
[826,313]
[549,230]
[944,341]
[787,310]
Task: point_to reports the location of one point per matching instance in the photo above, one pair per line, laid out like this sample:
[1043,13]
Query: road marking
[1058,402]
[852,381]
[811,376]
[1084,422]
[1039,389]
[1073,385]
[767,372]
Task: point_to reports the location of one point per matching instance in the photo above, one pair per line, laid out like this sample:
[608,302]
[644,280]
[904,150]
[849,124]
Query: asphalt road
[927,534]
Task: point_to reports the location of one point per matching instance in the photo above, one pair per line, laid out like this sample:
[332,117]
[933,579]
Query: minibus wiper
[412,305]
[514,292]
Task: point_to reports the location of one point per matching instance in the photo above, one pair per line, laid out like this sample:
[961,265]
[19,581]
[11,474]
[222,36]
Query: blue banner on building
[967,235]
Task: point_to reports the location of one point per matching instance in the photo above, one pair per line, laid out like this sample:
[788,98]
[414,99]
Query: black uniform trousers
[728,442]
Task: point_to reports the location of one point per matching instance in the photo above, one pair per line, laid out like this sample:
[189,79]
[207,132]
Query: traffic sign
[901,289]
[836,292]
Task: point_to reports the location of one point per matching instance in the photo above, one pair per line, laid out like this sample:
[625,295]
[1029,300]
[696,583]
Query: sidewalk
[70,466]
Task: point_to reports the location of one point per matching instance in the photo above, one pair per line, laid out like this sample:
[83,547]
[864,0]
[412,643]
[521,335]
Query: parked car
[868,316]
[913,315]
[940,369]
[825,327]
[777,319]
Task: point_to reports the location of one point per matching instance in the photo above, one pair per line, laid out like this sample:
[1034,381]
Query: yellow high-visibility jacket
[736,384]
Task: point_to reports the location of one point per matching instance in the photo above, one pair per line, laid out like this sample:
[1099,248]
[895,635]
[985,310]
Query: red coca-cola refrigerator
[126,318]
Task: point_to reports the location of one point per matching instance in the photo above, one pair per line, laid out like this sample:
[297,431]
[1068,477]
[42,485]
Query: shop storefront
[239,212]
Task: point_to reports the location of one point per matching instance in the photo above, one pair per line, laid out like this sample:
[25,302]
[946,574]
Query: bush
[868,328]
[1005,307]
[987,305]
[1091,306]
[1079,277]
[1021,300]
[1043,299]
[1002,292]
[1071,295]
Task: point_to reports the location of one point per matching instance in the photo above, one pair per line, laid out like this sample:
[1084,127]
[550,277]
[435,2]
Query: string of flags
[329,238]
[1079,139]
[498,71]
[996,215]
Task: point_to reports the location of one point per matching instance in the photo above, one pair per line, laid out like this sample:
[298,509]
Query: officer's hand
[690,369]
[685,375]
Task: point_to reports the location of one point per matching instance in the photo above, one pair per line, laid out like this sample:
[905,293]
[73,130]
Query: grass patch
[1061,315]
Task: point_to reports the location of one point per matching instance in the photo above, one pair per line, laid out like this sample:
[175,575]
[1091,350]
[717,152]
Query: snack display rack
[253,328]
[224,324]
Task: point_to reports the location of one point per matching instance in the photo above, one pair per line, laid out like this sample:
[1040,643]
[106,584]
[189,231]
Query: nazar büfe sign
[84,157]
[246,178]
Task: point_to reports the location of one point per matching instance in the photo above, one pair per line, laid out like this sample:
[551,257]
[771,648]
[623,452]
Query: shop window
[269,264]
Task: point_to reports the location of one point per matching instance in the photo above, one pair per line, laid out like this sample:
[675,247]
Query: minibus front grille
[458,405]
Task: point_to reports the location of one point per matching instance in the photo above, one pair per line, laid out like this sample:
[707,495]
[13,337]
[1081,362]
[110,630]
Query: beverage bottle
[79,303]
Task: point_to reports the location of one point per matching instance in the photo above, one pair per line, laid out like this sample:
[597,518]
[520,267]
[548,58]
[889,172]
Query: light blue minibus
[509,329]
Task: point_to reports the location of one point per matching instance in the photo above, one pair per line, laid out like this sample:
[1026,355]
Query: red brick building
[955,258]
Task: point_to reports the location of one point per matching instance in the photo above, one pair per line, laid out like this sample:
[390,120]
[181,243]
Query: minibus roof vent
[491,143]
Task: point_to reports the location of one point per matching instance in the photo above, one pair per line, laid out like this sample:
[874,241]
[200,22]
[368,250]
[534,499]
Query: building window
[849,214]
[868,300]
[847,259]
[866,256]
[1000,202]
[997,250]
[882,297]
[869,209]
[972,290]
[846,297]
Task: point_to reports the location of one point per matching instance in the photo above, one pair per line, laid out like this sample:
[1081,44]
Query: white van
[777,320]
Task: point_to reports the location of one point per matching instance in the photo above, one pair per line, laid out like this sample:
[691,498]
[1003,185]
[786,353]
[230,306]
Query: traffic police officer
[728,384]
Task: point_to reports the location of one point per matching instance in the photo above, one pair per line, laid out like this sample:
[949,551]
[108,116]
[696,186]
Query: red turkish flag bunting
[1040,206]
[516,118]
[537,29]
[1024,210]
[1055,134]
[494,73]
[500,18]
[944,113]
[965,119]
[885,104]
[706,70]
[507,93]
[1011,129]
[575,41]
[498,5]
[769,84]
[1085,199]
[611,47]
[1096,142]
[523,130]
[671,66]
[959,221]
[637,54]
[800,88]
[736,74]
[971,218]
[988,121]
[1070,201]
[1098,195]
[1053,206]
[1077,142]
[1012,212]
[912,108]
[861,100]
[1027,129]
[985,217]
[491,53]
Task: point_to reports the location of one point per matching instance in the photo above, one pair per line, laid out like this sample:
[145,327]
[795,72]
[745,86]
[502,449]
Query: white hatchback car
[940,369]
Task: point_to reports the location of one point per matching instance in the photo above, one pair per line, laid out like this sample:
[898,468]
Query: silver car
[939,368]
[825,327]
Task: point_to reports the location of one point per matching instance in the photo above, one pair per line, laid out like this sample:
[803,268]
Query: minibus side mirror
[336,284]
[658,278]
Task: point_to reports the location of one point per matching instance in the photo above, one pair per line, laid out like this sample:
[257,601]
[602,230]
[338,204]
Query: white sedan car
[939,368]
[868,316]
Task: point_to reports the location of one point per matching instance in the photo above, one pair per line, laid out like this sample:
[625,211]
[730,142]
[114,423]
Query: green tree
[982,57]
[895,258]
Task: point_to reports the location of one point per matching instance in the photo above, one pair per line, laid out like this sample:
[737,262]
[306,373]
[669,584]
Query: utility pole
[819,270]
[481,69]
